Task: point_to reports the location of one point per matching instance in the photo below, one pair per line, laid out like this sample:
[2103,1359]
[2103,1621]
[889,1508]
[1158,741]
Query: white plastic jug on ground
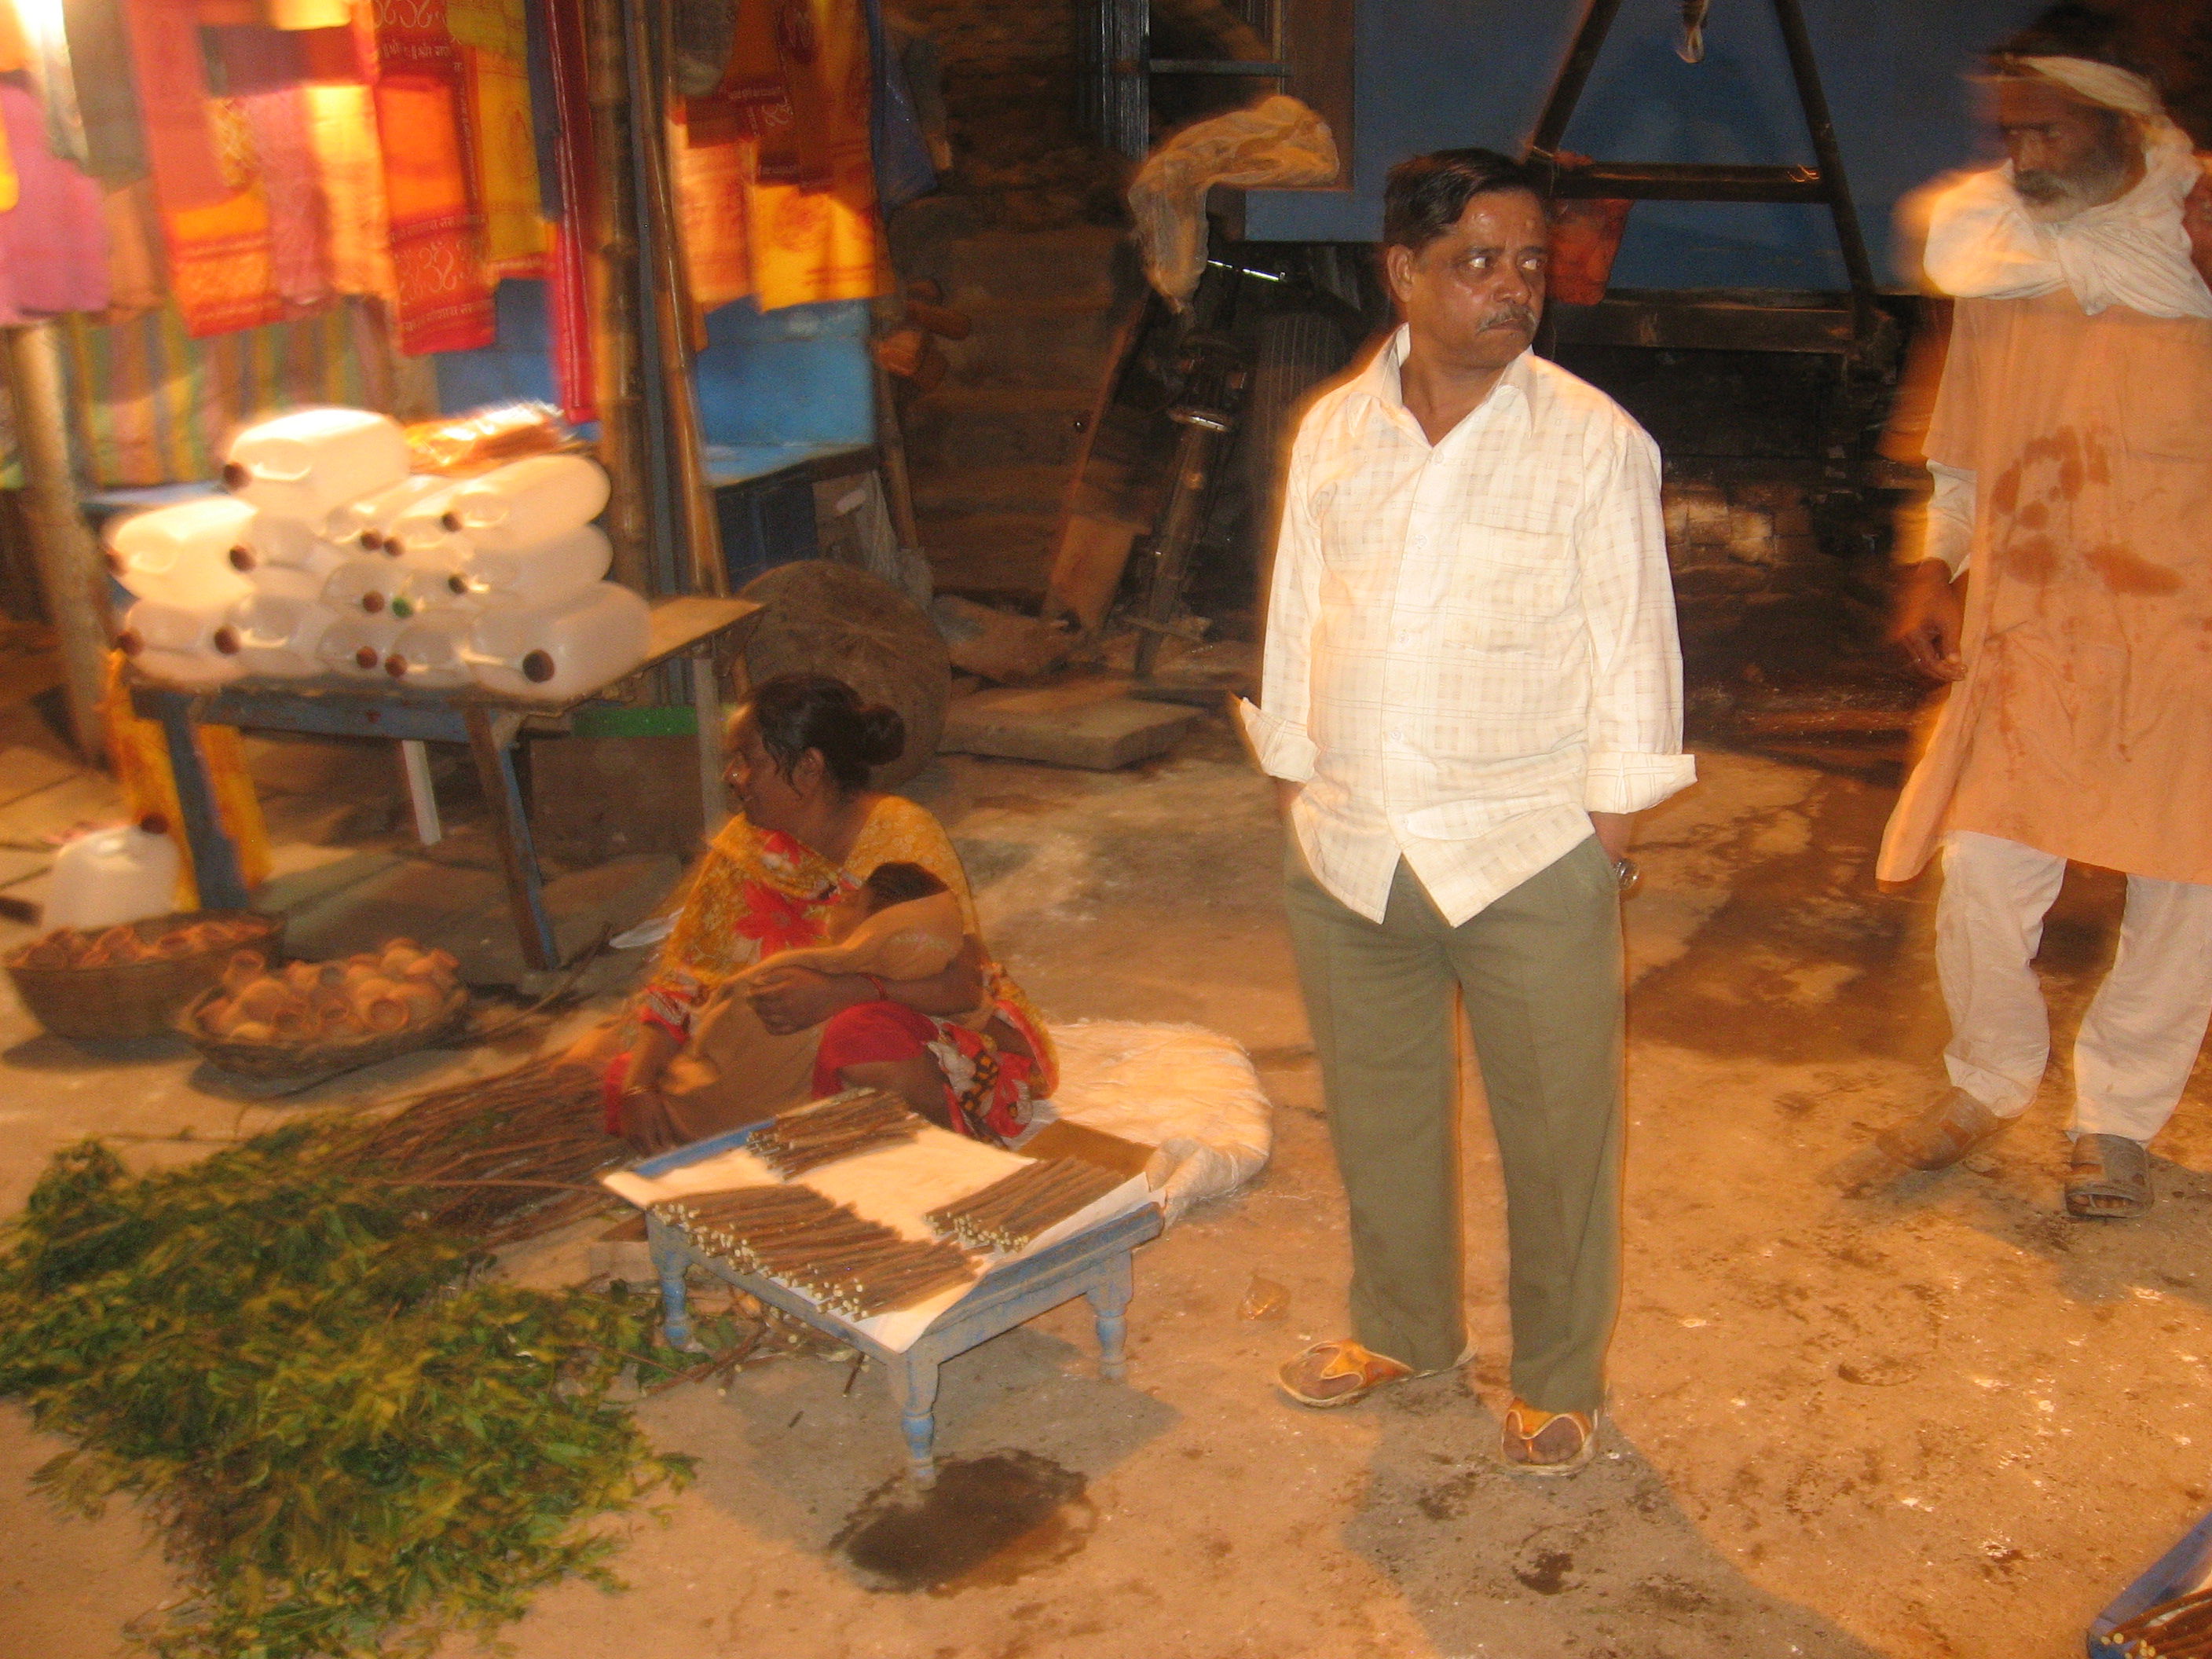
[428,650]
[280,633]
[539,577]
[276,543]
[355,644]
[306,465]
[181,553]
[561,651]
[527,502]
[364,582]
[365,523]
[109,877]
[183,644]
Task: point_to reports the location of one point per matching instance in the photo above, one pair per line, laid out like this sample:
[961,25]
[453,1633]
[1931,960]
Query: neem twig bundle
[843,1125]
[1011,1212]
[854,1266]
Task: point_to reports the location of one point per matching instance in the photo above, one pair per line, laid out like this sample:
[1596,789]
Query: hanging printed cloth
[810,245]
[107,102]
[494,47]
[350,171]
[563,121]
[215,219]
[710,205]
[444,295]
[53,238]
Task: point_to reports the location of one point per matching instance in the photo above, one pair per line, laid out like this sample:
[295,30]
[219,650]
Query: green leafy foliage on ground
[354,1443]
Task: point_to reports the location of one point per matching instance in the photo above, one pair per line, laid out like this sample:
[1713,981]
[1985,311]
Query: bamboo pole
[622,450]
[673,312]
[70,570]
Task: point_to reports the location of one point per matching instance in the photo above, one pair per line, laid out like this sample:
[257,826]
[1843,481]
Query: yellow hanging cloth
[810,245]
[139,752]
[710,203]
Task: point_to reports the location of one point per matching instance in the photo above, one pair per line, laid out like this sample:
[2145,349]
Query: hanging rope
[1692,48]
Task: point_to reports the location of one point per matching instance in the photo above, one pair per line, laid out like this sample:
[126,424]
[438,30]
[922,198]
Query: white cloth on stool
[2139,1039]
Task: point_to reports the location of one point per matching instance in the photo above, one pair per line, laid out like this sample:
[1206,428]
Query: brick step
[1035,346]
[1072,264]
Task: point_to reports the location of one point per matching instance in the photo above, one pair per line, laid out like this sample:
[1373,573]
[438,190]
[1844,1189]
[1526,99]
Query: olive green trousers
[1538,973]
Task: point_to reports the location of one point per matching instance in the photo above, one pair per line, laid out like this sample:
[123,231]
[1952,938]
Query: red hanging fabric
[421,120]
[569,268]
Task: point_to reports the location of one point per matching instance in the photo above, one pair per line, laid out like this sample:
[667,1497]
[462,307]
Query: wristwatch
[1625,872]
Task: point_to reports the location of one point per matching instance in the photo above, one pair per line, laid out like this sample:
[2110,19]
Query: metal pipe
[70,570]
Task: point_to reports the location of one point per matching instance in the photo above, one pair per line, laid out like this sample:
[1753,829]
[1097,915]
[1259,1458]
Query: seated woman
[878,992]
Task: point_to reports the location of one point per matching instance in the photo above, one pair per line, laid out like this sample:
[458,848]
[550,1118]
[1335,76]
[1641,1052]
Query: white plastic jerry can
[538,577]
[306,465]
[273,543]
[561,651]
[528,502]
[105,878]
[417,534]
[279,634]
[355,644]
[183,644]
[431,592]
[364,524]
[426,651]
[365,582]
[181,553]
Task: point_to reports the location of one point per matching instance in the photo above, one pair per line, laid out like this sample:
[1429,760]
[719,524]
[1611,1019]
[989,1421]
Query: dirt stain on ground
[987,1521]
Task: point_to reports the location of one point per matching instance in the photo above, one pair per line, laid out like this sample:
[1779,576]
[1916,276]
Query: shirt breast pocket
[1510,587]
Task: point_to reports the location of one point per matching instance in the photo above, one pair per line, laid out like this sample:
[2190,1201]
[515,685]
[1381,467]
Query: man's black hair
[2071,29]
[1427,194]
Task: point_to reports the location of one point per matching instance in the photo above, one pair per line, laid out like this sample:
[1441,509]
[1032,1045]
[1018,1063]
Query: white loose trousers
[2139,1039]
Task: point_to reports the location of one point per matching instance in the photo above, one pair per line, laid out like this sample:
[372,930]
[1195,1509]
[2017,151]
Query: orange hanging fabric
[215,219]
[825,244]
[342,133]
[443,301]
[710,201]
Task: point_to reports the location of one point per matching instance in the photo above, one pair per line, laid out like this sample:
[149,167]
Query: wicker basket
[307,1060]
[136,999]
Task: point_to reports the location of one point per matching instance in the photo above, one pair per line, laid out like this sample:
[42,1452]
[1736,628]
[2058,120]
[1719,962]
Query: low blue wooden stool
[1094,1264]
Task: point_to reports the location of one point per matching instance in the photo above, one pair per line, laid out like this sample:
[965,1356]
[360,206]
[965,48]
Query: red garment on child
[986,1088]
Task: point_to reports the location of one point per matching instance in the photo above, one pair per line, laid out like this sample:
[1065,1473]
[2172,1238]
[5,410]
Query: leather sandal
[2109,1179]
[1550,1444]
[1954,1125]
[1341,1373]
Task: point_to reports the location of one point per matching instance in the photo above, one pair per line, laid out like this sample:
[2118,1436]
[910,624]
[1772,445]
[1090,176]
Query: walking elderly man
[1472,682]
[2071,443]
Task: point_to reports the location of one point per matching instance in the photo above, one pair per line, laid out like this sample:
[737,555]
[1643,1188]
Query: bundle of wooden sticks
[850,1265]
[843,1125]
[2178,1629]
[1013,1210]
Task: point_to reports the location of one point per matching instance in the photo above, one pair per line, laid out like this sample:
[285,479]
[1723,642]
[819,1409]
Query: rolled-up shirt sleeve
[1277,728]
[1636,757]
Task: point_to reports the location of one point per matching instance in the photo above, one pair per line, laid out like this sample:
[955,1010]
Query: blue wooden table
[1095,1264]
[489,724]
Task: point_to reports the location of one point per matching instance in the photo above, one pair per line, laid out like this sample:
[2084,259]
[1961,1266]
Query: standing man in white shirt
[1472,684]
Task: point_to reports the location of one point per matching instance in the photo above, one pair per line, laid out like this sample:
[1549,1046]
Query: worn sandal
[2109,1180]
[1954,1127]
[1342,1373]
[1553,1444]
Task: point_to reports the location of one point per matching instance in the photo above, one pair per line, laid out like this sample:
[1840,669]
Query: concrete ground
[1945,1422]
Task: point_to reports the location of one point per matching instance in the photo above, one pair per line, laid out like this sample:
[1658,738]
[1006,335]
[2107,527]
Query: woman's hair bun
[883,732]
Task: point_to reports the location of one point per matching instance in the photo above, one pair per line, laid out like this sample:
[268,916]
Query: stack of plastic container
[329,557]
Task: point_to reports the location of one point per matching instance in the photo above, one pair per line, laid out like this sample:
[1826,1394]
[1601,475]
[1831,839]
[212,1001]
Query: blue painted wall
[1433,74]
[795,377]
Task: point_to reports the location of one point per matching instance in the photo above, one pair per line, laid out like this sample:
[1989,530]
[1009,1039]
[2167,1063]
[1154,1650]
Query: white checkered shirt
[1470,646]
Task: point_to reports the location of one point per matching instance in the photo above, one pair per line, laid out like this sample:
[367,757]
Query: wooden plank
[1702,327]
[1692,181]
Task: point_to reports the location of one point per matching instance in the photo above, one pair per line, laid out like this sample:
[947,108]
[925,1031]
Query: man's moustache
[1524,321]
